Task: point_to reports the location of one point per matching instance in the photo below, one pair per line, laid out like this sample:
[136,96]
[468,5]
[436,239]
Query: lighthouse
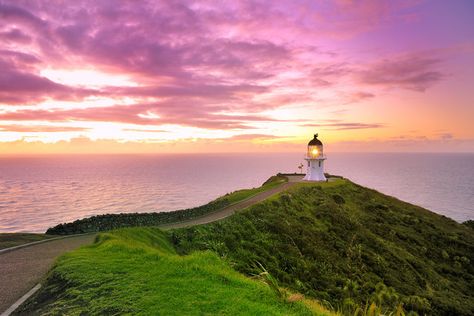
[315,158]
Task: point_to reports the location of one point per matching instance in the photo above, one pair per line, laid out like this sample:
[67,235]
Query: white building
[315,158]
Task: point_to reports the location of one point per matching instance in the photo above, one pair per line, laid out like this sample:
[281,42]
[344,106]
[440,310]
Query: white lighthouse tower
[315,158]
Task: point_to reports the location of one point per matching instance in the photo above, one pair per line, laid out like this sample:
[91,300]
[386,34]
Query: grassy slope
[8,240]
[347,244]
[137,271]
[244,194]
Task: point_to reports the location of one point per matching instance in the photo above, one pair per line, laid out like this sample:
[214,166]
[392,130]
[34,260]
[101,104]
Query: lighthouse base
[315,171]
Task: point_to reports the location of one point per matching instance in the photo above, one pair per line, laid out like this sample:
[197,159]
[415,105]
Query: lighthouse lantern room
[315,158]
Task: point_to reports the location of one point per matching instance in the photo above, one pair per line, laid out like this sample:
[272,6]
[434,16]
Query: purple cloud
[15,35]
[22,87]
[196,64]
[408,72]
[144,114]
[328,74]
[16,14]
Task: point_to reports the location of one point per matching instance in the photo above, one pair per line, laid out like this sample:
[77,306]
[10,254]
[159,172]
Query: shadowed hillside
[346,244]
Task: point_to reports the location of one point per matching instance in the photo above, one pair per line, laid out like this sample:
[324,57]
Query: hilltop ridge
[346,244]
[342,244]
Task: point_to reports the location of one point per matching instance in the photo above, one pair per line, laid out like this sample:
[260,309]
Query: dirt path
[227,211]
[22,269]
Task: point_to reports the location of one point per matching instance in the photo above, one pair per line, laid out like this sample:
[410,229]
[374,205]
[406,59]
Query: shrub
[113,221]
[338,199]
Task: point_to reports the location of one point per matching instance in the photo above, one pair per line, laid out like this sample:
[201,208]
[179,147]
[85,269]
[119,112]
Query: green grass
[137,271]
[8,240]
[333,183]
[348,245]
[244,194]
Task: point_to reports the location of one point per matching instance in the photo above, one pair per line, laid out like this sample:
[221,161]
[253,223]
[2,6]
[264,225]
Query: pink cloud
[23,87]
[144,114]
[358,96]
[414,72]
[253,137]
[200,64]
[40,128]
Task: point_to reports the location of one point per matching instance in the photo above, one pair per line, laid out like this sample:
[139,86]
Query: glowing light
[149,115]
[314,152]
[86,77]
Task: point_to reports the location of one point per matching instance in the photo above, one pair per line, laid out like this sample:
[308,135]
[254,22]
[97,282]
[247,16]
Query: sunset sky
[235,76]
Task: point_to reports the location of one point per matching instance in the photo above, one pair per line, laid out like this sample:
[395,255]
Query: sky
[236,76]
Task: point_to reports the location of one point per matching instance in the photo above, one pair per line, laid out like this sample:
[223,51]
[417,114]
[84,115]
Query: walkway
[227,211]
[23,268]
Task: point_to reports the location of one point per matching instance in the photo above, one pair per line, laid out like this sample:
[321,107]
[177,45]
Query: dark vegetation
[8,240]
[113,221]
[469,223]
[350,247]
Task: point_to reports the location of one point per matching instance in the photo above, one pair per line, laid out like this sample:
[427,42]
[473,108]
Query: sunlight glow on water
[39,192]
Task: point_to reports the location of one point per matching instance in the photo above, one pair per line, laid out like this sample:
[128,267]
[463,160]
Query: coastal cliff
[346,246]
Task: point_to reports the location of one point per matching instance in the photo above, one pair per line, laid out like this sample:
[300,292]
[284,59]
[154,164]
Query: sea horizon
[13,155]
[38,192]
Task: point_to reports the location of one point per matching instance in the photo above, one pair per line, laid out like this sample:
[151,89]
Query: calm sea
[39,192]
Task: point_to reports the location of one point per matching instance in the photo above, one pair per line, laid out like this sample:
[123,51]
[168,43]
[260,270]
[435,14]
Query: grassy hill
[348,245]
[137,271]
[353,249]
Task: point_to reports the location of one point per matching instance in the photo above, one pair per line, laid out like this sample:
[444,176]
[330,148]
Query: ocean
[40,192]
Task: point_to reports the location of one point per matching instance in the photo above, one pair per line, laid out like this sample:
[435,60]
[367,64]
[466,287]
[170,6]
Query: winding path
[231,209]
[21,269]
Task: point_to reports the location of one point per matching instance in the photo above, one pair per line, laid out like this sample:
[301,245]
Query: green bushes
[338,199]
[469,223]
[113,221]
[370,250]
